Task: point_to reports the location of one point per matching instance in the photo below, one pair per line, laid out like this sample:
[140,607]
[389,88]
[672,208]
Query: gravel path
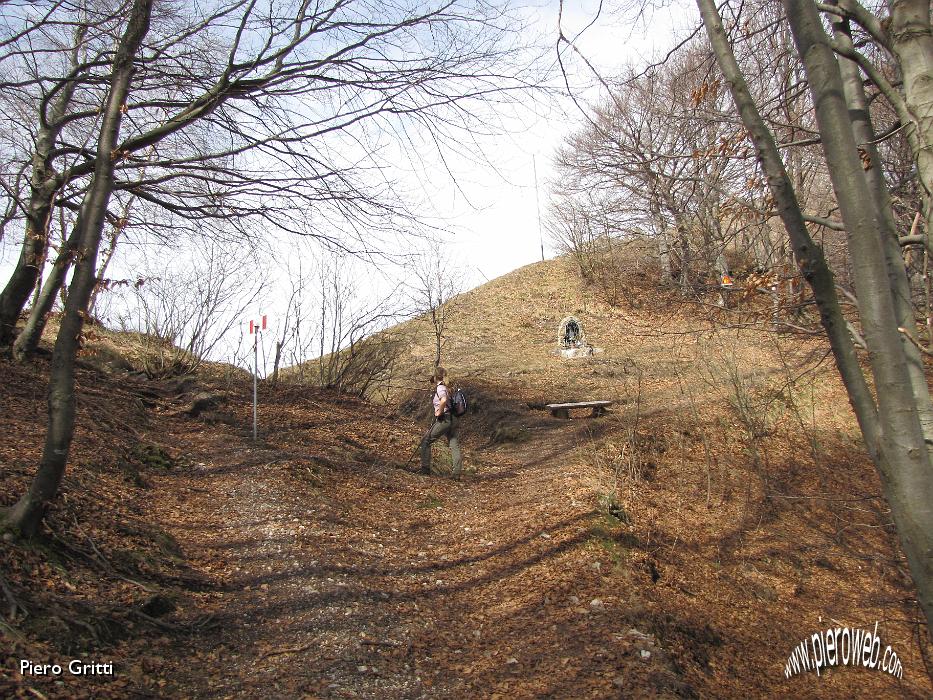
[361,579]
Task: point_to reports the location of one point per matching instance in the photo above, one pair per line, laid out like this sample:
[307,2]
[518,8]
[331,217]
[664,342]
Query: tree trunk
[438,333]
[912,42]
[25,275]
[664,257]
[903,458]
[664,247]
[101,272]
[275,363]
[897,276]
[28,339]
[43,187]
[26,516]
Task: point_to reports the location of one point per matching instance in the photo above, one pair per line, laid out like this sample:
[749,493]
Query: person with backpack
[446,421]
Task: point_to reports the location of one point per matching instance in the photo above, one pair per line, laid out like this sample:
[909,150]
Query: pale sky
[502,233]
[491,208]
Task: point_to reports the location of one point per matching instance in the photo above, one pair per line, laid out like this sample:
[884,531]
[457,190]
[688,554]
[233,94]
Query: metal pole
[534,167]
[255,375]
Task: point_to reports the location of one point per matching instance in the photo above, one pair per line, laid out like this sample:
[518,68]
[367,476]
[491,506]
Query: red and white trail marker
[254,328]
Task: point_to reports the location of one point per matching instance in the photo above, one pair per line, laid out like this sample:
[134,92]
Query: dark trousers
[449,427]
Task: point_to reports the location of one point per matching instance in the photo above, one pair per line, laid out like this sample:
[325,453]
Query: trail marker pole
[254,328]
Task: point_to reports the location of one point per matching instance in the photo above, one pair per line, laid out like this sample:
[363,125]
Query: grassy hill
[679,546]
[731,456]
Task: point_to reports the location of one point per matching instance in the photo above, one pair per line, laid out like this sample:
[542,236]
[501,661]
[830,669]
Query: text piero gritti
[75,667]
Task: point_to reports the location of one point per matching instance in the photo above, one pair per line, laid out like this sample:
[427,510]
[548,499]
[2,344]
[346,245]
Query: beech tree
[657,160]
[27,513]
[244,116]
[894,418]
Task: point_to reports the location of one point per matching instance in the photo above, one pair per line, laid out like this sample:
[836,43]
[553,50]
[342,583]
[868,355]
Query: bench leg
[598,411]
[560,413]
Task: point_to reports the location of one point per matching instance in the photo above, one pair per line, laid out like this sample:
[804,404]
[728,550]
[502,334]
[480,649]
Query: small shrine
[571,341]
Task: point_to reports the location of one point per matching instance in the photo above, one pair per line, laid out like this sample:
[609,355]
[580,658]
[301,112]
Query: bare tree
[355,352]
[893,420]
[26,515]
[218,132]
[642,166]
[234,113]
[437,281]
[185,313]
[293,337]
[578,226]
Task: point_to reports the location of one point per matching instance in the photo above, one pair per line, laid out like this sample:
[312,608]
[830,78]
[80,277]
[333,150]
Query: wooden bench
[562,410]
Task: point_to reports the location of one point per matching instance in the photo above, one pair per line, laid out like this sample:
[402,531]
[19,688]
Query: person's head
[440,374]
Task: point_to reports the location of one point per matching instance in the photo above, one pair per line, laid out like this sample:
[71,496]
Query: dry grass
[727,492]
[733,454]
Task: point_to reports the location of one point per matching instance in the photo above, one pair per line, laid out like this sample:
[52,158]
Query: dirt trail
[376,582]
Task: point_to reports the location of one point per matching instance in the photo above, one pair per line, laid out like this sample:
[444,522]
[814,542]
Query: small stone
[597,604]
[7,536]
[618,681]
[512,661]
[574,600]
[361,669]
[645,654]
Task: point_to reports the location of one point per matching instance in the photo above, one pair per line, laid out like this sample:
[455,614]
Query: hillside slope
[680,546]
[733,455]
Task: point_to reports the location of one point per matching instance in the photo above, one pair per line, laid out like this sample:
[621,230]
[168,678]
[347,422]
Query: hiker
[445,423]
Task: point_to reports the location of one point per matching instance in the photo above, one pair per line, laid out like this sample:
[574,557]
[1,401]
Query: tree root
[13,633]
[15,605]
[67,621]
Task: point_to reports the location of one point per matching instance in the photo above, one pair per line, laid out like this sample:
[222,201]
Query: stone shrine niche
[571,341]
[570,333]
